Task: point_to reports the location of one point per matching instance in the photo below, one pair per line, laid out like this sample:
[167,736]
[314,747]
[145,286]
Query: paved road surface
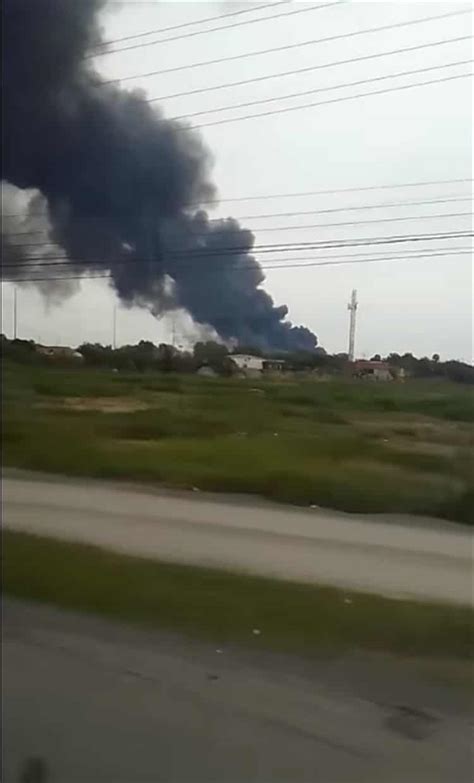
[306,545]
[102,702]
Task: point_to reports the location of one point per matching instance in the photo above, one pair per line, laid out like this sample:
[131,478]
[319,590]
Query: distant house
[246,365]
[253,366]
[59,352]
[371,370]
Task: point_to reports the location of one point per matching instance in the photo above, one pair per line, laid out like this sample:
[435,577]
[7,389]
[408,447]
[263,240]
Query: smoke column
[119,179]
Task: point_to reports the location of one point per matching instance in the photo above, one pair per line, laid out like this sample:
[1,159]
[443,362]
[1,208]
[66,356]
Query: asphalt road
[96,702]
[398,558]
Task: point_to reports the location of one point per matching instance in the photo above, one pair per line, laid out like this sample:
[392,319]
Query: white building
[247,363]
[372,370]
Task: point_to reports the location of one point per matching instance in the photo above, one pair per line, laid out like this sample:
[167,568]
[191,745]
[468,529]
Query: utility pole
[173,330]
[114,328]
[15,314]
[352,307]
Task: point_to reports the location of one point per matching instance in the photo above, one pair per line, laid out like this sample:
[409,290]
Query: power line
[301,263]
[286,47]
[331,191]
[322,103]
[241,268]
[354,223]
[352,208]
[318,89]
[284,247]
[362,257]
[330,210]
[66,262]
[284,262]
[309,68]
[226,232]
[190,24]
[264,248]
[383,186]
[214,29]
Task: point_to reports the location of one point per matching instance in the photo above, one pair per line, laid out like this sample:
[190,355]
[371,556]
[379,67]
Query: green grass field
[347,445]
[226,608]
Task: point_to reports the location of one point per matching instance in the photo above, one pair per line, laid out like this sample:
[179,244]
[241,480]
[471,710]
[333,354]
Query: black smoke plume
[123,184]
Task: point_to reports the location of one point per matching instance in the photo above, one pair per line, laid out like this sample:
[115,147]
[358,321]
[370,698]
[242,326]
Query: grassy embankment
[225,608]
[350,446]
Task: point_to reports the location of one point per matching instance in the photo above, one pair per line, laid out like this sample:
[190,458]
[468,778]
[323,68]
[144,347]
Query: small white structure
[59,352]
[247,363]
[371,370]
[252,366]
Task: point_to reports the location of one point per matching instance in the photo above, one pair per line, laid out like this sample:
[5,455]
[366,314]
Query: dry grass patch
[414,428]
[98,404]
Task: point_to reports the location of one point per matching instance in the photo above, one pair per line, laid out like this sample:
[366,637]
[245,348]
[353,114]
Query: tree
[21,351]
[166,355]
[459,372]
[96,354]
[210,353]
[423,368]
[435,358]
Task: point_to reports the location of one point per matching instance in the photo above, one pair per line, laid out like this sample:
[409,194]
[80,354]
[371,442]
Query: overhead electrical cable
[352,208]
[330,210]
[332,191]
[206,19]
[286,47]
[323,103]
[308,68]
[259,229]
[239,269]
[192,34]
[300,94]
[280,247]
[67,263]
[265,196]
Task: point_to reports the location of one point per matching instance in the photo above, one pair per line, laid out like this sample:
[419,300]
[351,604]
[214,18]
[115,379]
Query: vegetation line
[333,442]
[228,608]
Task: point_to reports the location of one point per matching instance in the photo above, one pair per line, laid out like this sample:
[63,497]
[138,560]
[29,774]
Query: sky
[423,305]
